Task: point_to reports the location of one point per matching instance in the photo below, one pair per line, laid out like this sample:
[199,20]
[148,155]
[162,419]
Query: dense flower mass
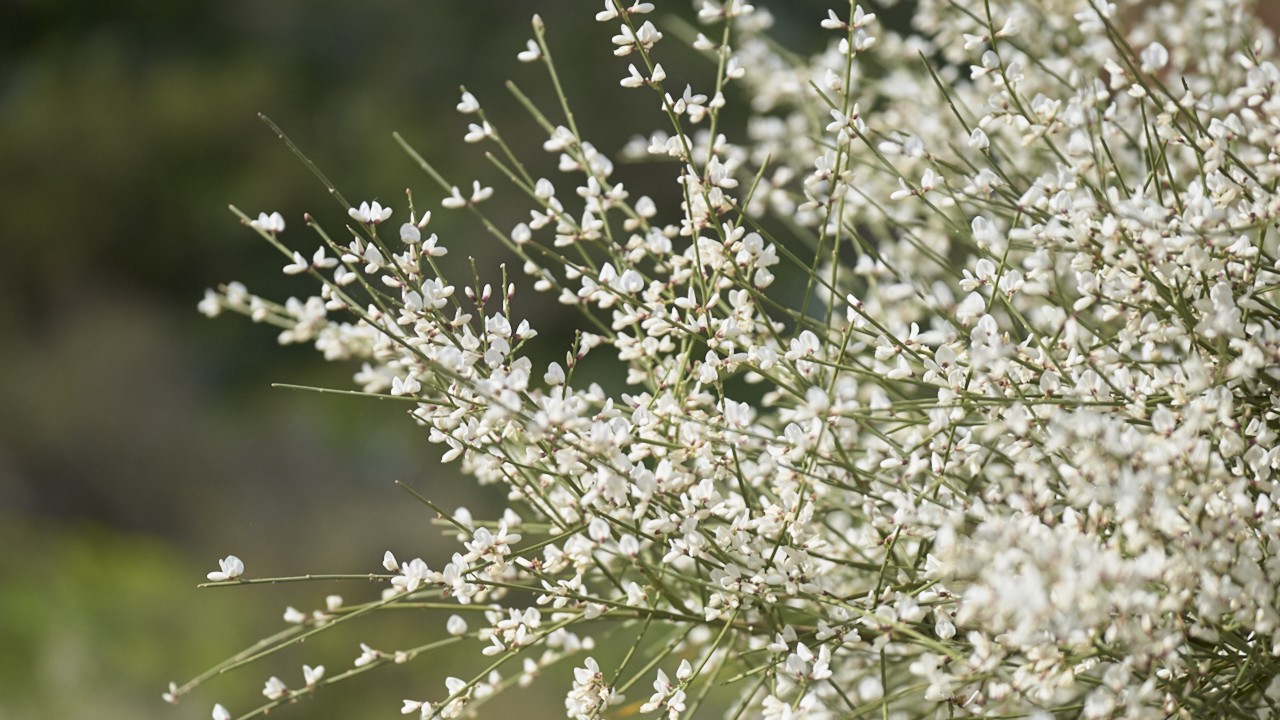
[950,388]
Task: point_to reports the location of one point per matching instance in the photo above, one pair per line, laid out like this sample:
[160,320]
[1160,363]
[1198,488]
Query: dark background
[139,441]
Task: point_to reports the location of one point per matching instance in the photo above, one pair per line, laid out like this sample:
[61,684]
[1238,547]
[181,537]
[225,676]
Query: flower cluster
[949,386]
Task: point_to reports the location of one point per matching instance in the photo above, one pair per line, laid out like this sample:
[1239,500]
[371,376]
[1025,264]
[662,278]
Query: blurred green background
[140,442]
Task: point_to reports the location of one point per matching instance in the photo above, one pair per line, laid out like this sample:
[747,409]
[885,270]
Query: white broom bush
[951,380]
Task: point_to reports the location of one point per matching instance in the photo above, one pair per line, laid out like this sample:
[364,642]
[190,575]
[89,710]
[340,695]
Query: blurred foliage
[96,614]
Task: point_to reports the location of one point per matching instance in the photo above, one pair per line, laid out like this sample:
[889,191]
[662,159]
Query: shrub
[950,378]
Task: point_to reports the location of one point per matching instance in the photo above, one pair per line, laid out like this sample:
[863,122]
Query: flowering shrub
[950,384]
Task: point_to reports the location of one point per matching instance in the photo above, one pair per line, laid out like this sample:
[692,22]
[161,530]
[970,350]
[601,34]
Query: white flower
[298,266]
[627,40]
[476,133]
[531,53]
[370,214]
[930,180]
[275,688]
[479,194]
[634,79]
[405,386]
[367,655]
[554,375]
[231,568]
[972,41]
[609,12]
[469,104]
[903,192]
[456,626]
[312,675]
[412,575]
[210,305]
[833,22]
[1154,58]
[455,199]
[220,713]
[273,223]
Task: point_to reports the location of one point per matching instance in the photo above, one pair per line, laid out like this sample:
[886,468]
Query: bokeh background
[139,441]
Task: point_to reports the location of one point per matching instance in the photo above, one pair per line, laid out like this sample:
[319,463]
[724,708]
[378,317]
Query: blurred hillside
[140,442]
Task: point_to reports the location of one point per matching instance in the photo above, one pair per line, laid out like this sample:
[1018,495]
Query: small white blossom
[531,53]
[456,625]
[275,688]
[468,104]
[230,568]
[476,133]
[370,214]
[210,305]
[1154,58]
[870,689]
[367,656]
[412,576]
[273,223]
[299,265]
